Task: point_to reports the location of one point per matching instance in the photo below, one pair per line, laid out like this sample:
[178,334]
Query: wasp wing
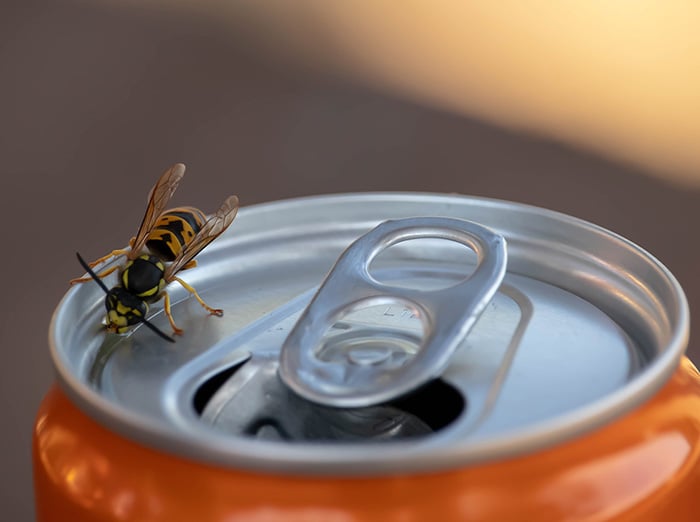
[212,229]
[158,198]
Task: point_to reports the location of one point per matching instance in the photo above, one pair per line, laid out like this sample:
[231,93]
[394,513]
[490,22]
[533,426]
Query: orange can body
[642,466]
[463,359]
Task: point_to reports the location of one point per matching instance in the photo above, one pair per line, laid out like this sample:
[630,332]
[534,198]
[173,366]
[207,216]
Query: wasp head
[123,310]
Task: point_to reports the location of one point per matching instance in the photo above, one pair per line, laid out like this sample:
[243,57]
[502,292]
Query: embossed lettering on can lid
[583,327]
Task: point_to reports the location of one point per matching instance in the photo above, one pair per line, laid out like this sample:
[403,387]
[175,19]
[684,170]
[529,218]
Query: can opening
[210,387]
[249,400]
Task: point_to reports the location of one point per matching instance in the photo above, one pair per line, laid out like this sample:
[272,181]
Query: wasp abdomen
[173,231]
[143,276]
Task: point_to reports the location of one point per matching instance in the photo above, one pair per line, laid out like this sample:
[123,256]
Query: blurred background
[588,108]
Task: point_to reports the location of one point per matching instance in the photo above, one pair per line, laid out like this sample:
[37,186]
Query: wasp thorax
[123,310]
[143,276]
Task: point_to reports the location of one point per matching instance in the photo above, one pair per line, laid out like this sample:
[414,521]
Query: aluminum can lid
[377,333]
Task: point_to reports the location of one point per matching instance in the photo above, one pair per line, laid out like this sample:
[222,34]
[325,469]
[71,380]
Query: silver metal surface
[345,372]
[584,327]
[256,403]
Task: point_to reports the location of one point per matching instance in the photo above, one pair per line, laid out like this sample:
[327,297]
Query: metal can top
[580,326]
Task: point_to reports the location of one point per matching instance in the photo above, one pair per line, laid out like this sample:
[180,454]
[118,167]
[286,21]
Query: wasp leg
[169,314]
[191,264]
[101,275]
[190,289]
[113,253]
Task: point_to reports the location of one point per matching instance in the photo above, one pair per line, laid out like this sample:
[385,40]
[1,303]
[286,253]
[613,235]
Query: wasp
[166,243]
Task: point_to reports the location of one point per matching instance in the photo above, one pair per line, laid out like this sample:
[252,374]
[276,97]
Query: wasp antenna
[92,274]
[157,330]
[104,287]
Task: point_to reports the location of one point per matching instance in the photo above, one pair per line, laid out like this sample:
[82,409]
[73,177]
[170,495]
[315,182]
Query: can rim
[371,459]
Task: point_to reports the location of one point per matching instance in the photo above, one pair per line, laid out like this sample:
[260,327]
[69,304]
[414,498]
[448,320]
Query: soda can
[392,357]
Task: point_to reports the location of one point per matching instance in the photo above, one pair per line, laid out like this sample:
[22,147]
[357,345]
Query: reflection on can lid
[579,328]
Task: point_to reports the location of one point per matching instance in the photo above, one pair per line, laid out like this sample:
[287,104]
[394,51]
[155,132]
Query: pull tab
[447,315]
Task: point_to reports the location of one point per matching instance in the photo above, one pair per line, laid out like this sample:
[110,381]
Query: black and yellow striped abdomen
[173,231]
